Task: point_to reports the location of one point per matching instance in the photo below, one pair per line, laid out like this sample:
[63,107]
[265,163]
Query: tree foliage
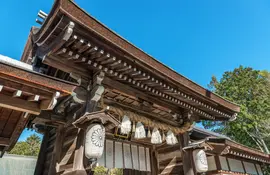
[30,147]
[251,90]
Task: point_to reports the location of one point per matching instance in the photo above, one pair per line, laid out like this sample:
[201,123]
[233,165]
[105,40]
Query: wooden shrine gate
[122,95]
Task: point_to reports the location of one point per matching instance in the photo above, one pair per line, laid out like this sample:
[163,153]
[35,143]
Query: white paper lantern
[156,137]
[94,141]
[200,160]
[125,125]
[139,131]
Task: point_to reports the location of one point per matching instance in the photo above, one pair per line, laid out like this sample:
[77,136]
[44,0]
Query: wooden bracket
[96,90]
[226,150]
[50,104]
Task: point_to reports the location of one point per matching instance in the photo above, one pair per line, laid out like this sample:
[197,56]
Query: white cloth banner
[109,154]
[118,155]
[124,155]
[142,159]
[148,166]
[135,157]
[127,156]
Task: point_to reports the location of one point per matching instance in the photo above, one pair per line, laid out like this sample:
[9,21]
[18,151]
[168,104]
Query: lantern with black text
[94,141]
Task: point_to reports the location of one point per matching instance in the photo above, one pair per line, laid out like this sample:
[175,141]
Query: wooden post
[42,154]
[95,91]
[54,167]
[218,162]
[187,157]
[154,162]
[79,151]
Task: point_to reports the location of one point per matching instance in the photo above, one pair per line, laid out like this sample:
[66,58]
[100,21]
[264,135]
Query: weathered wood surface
[19,104]
[35,80]
[11,125]
[4,141]
[42,155]
[187,157]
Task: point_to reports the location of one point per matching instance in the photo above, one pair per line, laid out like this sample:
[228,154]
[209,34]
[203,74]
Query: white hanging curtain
[124,155]
[109,154]
[127,156]
[142,161]
[156,137]
[125,125]
[139,131]
[135,157]
[170,138]
[118,155]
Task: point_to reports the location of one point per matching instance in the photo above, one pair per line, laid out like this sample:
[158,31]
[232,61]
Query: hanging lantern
[170,138]
[156,137]
[139,131]
[125,125]
[94,141]
[200,160]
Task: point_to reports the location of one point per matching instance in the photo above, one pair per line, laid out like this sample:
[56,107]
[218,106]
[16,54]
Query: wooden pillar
[154,161]
[95,91]
[78,164]
[54,167]
[218,164]
[42,154]
[187,157]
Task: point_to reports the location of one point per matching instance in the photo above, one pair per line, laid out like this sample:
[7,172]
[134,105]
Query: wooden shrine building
[101,101]
[224,156]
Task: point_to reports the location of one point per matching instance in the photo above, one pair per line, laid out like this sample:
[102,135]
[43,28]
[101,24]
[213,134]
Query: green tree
[30,147]
[251,90]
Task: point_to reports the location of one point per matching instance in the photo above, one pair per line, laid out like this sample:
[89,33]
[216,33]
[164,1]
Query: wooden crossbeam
[24,88]
[19,104]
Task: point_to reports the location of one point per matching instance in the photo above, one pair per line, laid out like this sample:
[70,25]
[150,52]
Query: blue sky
[196,38]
